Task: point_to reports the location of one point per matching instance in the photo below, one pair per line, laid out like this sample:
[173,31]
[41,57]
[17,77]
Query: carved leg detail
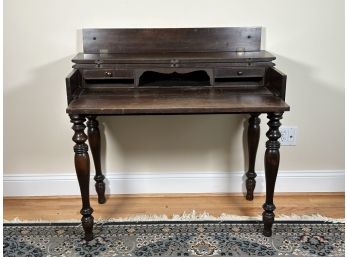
[82,171]
[271,169]
[94,142]
[253,143]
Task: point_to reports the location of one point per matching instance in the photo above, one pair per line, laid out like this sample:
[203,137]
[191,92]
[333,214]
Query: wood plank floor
[62,208]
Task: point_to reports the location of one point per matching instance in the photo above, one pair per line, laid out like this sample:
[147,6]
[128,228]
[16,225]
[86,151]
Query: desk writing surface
[176,101]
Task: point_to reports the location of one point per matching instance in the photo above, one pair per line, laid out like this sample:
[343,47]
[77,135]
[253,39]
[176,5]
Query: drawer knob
[239,73]
[108,73]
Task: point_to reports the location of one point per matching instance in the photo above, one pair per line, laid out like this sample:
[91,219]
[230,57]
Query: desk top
[176,101]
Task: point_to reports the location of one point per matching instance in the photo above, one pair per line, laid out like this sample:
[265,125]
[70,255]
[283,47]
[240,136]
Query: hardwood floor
[62,208]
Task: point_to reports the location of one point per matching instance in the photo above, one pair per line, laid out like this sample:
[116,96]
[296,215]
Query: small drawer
[123,73]
[98,74]
[239,72]
[107,74]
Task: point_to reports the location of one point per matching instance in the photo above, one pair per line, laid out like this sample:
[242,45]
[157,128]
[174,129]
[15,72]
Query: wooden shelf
[187,57]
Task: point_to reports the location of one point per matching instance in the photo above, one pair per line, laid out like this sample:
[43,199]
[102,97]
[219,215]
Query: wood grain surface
[187,57]
[171,40]
[62,208]
[176,101]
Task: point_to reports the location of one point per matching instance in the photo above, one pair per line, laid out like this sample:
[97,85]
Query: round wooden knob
[108,73]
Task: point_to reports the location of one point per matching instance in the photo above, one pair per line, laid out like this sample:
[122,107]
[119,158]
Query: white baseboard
[191,182]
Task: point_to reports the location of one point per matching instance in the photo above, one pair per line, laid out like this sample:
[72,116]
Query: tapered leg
[271,169]
[253,143]
[82,171]
[94,142]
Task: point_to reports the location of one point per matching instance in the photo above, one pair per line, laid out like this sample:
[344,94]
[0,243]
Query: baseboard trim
[167,183]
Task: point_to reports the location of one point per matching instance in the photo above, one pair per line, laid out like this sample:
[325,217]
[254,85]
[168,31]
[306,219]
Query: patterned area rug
[176,238]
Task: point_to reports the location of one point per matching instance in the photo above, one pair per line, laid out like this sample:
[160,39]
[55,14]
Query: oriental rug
[175,238]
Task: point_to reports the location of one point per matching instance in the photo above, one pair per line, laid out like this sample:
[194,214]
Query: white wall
[41,37]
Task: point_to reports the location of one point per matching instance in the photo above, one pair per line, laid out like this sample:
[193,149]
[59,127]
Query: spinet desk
[174,71]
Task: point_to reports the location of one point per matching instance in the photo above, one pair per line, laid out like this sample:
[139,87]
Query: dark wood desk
[174,71]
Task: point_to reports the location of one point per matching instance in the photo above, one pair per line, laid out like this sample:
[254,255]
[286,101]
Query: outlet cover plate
[289,135]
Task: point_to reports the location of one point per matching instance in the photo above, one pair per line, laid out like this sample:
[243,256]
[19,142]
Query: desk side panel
[276,82]
[73,84]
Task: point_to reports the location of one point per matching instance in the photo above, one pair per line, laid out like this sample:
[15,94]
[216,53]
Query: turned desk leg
[253,143]
[271,169]
[94,142]
[82,171]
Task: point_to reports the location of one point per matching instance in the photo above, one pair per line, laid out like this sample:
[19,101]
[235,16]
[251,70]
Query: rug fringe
[206,216]
[191,216]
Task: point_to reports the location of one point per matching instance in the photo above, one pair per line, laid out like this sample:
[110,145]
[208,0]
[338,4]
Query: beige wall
[41,37]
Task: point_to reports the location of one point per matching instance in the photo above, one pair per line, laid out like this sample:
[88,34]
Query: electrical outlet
[289,135]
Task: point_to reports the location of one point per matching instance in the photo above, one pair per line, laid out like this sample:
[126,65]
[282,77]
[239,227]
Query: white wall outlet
[289,135]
